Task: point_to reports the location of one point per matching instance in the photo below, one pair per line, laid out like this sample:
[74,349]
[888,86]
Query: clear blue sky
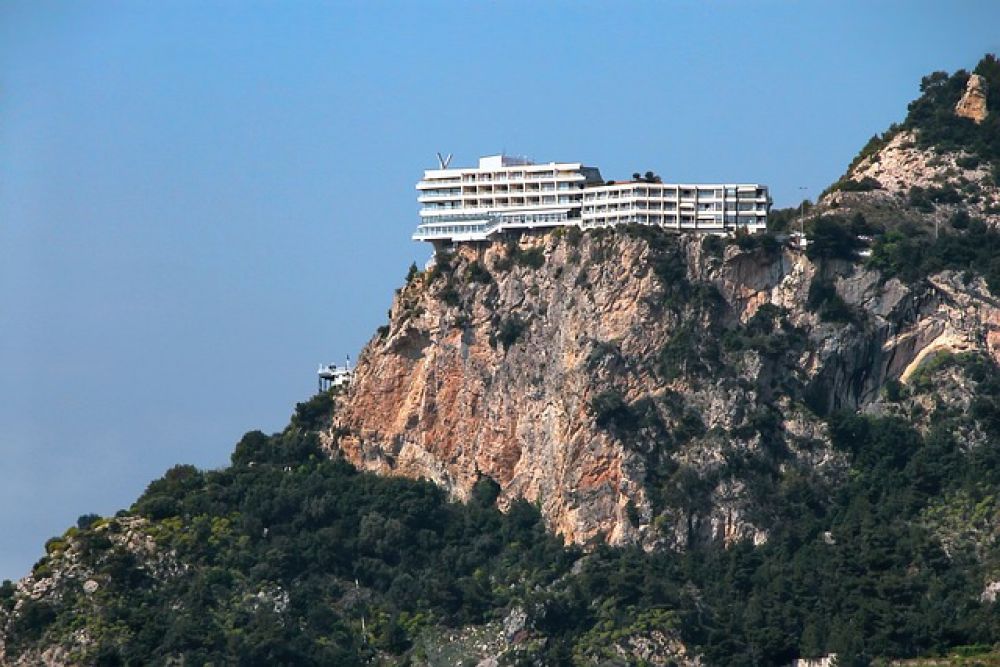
[201,201]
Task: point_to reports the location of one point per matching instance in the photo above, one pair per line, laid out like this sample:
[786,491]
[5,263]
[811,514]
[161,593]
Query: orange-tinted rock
[973,102]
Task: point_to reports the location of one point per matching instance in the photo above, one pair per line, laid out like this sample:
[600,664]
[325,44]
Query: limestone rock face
[616,378]
[973,102]
[901,165]
[440,397]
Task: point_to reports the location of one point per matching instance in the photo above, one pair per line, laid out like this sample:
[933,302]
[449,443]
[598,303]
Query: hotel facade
[506,193]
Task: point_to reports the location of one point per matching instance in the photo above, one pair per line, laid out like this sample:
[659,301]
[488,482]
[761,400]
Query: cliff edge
[640,387]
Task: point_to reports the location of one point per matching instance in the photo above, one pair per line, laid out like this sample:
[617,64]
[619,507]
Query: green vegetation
[533,257]
[648,177]
[713,245]
[933,113]
[609,408]
[287,557]
[783,220]
[825,302]
[687,352]
[273,547]
[830,237]
[768,332]
[764,242]
[475,272]
[866,184]
[510,331]
[911,254]
[926,199]
[412,273]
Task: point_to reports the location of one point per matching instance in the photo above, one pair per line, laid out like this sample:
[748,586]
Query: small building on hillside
[331,375]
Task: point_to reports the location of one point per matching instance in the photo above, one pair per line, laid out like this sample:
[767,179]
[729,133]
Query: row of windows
[501,202]
[441,192]
[669,193]
[521,187]
[671,218]
[450,229]
[530,218]
[517,175]
[667,206]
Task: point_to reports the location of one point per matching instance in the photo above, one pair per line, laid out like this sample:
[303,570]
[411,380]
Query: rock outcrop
[67,574]
[973,102]
[614,379]
[902,165]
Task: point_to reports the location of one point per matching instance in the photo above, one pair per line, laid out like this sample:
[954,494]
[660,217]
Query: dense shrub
[825,302]
[764,242]
[449,295]
[688,353]
[830,237]
[532,257]
[475,272]
[865,184]
[781,220]
[910,254]
[610,409]
[412,273]
[713,245]
[510,330]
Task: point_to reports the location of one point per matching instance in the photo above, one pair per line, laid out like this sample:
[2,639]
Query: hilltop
[943,159]
[614,447]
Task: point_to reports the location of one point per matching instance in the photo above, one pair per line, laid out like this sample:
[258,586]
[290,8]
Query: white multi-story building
[716,208]
[502,193]
[505,193]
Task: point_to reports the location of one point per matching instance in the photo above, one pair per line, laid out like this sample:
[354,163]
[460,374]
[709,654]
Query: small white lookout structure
[332,375]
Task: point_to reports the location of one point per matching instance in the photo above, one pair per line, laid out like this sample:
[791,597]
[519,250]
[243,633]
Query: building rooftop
[500,161]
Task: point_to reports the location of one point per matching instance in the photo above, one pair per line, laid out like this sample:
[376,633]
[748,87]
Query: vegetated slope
[937,162]
[795,454]
[288,557]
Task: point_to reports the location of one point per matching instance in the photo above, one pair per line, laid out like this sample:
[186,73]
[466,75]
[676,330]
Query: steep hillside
[944,158]
[781,524]
[639,386]
[610,448]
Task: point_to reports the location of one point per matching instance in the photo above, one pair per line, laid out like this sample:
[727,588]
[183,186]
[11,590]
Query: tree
[830,238]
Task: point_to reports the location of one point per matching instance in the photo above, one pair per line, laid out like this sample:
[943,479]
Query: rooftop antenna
[444,161]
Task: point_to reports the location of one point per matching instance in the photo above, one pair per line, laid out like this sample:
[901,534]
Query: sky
[202,201]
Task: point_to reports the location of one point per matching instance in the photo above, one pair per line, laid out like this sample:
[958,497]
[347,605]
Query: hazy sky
[201,201]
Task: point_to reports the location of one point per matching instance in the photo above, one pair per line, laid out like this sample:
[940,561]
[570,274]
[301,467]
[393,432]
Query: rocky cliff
[805,445]
[638,386]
